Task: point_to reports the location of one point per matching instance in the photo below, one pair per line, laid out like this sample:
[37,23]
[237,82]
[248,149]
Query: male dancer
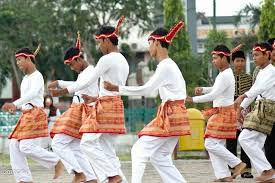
[107,117]
[222,123]
[159,138]
[32,123]
[258,124]
[65,132]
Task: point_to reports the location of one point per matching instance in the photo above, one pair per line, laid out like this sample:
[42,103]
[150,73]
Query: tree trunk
[15,71]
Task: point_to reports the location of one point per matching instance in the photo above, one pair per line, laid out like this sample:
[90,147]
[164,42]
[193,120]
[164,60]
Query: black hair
[238,54]
[271,41]
[161,32]
[71,52]
[108,30]
[26,51]
[224,49]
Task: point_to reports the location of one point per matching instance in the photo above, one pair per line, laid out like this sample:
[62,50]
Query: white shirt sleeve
[64,84]
[37,83]
[206,89]
[219,86]
[261,84]
[246,102]
[156,81]
[101,67]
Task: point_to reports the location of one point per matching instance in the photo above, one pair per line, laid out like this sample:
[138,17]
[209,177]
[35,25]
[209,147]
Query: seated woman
[52,114]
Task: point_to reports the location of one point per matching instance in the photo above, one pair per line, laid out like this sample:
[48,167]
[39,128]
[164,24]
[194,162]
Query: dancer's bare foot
[266,175]
[58,169]
[115,179]
[238,169]
[268,181]
[225,179]
[79,177]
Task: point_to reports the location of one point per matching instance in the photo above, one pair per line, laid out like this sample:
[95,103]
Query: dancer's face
[273,56]
[103,45]
[75,65]
[153,48]
[23,63]
[217,61]
[260,58]
[239,63]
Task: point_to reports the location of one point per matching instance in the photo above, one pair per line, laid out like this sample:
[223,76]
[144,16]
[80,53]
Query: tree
[55,23]
[250,10]
[267,21]
[179,50]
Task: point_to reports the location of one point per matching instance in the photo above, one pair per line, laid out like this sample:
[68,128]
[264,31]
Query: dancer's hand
[109,86]
[53,85]
[239,100]
[58,92]
[189,99]
[9,107]
[240,117]
[88,99]
[198,91]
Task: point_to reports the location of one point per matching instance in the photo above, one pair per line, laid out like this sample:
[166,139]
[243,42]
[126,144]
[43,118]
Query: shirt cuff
[71,89]
[120,90]
[195,99]
[249,94]
[17,103]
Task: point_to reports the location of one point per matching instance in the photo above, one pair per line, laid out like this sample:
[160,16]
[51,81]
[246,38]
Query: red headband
[258,48]
[28,54]
[72,58]
[237,48]
[115,33]
[77,45]
[24,55]
[220,52]
[170,35]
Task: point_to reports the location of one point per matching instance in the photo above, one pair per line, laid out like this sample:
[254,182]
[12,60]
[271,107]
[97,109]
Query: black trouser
[270,147]
[231,145]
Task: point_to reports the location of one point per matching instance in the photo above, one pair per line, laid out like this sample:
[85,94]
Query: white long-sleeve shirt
[91,90]
[112,67]
[167,79]
[222,92]
[264,86]
[31,91]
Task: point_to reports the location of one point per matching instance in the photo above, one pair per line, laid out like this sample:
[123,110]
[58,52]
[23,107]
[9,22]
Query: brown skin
[220,63]
[156,51]
[27,67]
[239,65]
[76,65]
[88,99]
[261,60]
[106,46]
[273,56]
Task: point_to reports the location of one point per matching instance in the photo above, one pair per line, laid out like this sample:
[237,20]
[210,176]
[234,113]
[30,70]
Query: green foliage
[267,21]
[179,50]
[250,10]
[25,23]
